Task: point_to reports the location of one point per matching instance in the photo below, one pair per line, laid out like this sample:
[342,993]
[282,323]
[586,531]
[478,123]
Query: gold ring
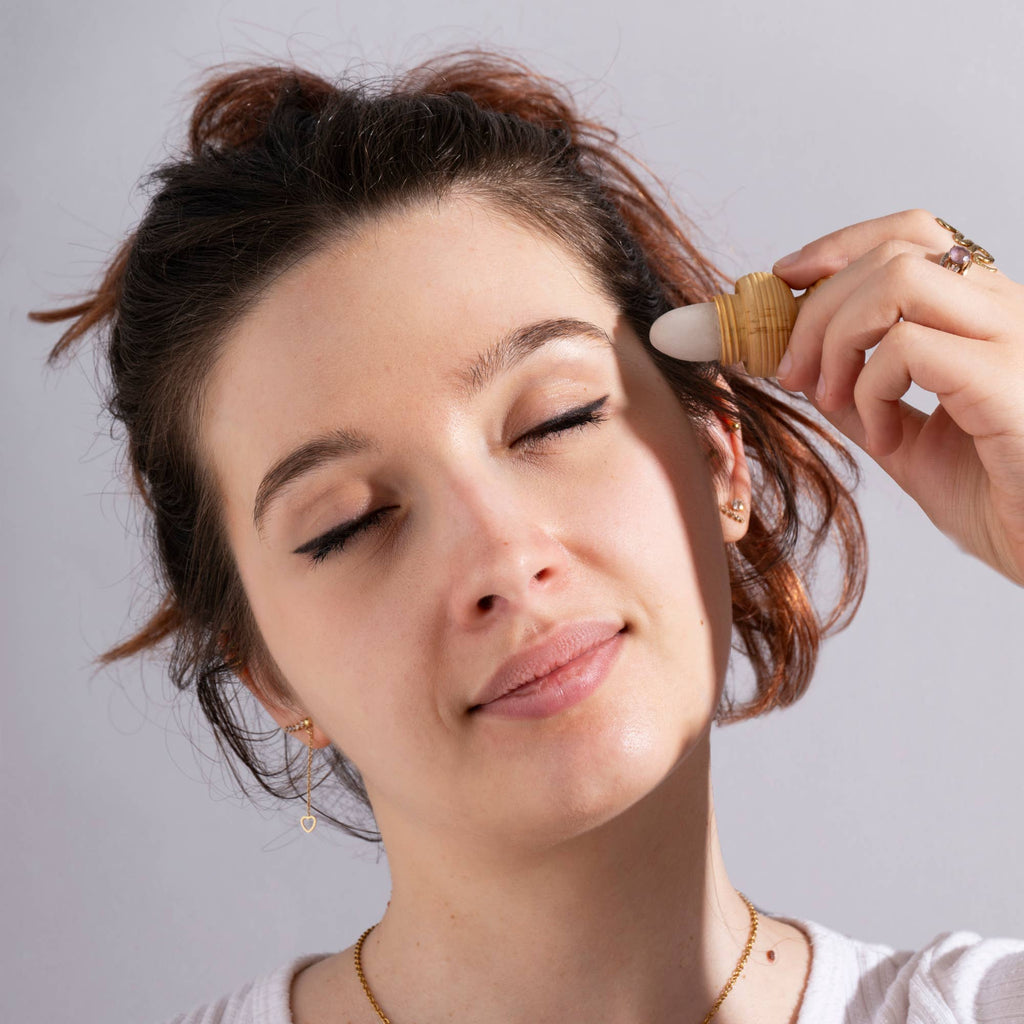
[964,253]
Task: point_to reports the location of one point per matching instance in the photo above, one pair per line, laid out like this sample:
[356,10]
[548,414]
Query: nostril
[486,603]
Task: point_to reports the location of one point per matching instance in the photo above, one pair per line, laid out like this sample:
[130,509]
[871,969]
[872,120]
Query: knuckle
[893,249]
[905,267]
[902,334]
[920,217]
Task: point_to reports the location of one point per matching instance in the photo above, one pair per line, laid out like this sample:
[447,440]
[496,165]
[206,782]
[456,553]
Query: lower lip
[560,689]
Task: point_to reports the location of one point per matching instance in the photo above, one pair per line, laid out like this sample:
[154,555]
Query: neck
[635,920]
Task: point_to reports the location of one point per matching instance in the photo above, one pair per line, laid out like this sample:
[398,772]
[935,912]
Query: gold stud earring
[732,426]
[732,513]
[308,820]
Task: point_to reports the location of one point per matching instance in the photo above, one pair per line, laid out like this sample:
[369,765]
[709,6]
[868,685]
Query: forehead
[438,273]
[380,321]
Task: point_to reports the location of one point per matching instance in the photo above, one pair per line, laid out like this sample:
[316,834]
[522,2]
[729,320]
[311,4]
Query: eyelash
[335,539]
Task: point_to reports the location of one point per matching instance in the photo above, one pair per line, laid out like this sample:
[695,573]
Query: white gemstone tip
[689,332]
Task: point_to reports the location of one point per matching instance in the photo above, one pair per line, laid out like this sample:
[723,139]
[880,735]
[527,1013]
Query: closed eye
[574,419]
[337,537]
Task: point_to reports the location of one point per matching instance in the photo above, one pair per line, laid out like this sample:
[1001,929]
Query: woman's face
[489,535]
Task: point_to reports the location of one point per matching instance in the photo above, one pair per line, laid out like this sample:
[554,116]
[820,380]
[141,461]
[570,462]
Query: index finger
[832,252]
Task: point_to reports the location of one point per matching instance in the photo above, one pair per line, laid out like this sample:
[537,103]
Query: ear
[732,475]
[282,712]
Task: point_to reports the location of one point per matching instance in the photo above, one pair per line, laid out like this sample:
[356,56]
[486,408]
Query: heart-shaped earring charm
[308,822]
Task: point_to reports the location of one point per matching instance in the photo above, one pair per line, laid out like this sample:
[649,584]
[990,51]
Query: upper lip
[558,648]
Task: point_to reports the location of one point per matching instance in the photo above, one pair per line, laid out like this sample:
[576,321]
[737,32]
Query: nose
[503,556]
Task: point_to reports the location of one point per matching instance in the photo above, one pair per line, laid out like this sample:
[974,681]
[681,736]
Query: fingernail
[785,366]
[787,261]
[819,391]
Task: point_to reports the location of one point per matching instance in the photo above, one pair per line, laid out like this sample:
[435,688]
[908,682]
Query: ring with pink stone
[964,253]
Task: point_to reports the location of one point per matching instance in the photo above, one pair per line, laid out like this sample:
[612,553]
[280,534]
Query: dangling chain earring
[308,820]
[733,427]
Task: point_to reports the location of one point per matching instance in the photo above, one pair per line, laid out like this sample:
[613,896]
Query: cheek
[653,503]
[668,531]
[340,656]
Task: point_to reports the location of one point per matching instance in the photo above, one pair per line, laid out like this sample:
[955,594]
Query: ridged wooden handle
[755,323]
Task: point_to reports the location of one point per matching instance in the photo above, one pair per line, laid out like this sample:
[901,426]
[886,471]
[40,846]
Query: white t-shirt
[957,978]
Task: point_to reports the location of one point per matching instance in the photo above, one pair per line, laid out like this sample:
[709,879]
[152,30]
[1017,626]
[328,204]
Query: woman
[420,483]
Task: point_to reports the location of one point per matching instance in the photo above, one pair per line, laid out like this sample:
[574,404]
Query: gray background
[887,804]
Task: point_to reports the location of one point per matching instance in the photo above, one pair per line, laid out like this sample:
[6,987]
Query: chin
[569,788]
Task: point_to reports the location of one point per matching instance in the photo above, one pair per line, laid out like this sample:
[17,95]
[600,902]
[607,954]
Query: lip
[582,646]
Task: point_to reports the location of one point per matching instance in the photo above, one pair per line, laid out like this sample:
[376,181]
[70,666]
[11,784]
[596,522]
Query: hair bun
[233,109]
[499,83]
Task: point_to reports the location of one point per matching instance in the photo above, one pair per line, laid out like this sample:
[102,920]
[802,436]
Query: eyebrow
[467,381]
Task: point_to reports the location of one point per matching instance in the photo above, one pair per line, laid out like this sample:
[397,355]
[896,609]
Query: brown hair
[278,161]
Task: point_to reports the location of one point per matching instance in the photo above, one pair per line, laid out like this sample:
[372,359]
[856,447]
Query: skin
[543,869]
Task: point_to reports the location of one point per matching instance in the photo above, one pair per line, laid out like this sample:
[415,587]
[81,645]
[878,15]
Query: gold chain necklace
[714,1009]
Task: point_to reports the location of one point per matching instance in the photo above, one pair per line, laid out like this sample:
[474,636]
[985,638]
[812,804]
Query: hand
[959,336]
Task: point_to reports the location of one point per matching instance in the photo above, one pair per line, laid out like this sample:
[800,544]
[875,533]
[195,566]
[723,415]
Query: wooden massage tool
[750,327]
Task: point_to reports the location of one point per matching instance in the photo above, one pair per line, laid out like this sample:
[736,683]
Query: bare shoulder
[328,992]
